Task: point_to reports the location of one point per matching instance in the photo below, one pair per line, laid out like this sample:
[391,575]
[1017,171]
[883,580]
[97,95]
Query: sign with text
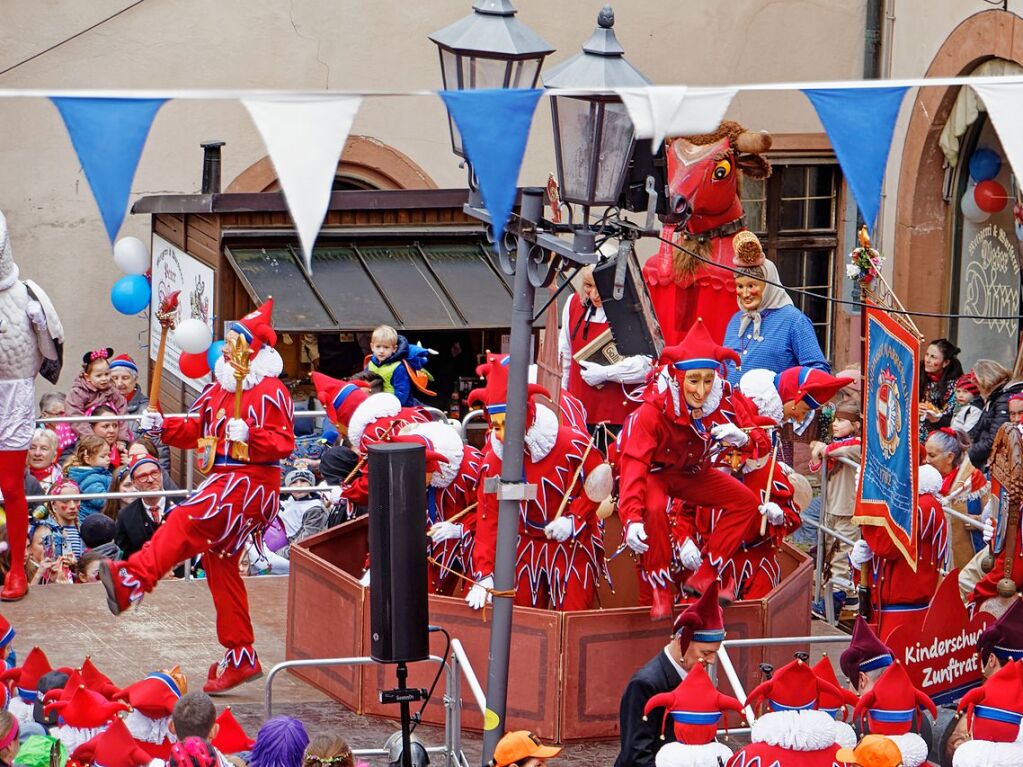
[173,269]
[941,656]
[887,490]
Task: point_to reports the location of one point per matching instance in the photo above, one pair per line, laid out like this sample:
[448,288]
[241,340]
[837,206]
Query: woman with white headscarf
[768,332]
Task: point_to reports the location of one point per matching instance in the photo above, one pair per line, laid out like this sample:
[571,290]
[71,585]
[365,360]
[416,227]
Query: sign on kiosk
[173,269]
[941,656]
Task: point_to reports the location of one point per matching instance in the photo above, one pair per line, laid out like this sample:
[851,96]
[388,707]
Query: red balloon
[990,196]
[193,365]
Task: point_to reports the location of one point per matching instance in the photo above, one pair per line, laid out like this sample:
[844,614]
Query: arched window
[985,249]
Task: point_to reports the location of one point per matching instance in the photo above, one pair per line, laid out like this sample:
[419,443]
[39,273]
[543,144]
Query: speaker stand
[403,696]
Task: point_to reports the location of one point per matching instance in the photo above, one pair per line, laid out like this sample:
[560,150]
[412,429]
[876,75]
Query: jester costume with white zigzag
[239,499]
[563,574]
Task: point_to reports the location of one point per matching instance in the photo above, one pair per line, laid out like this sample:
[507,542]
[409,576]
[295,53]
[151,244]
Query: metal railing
[456,667]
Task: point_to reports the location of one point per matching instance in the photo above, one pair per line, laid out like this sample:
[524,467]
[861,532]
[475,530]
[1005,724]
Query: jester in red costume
[900,593]
[364,419]
[239,499]
[794,732]
[890,708]
[560,548]
[669,448]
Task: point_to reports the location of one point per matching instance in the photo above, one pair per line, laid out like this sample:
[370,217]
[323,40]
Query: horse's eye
[722,170]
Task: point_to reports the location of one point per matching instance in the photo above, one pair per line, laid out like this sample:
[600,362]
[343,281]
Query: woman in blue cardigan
[768,331]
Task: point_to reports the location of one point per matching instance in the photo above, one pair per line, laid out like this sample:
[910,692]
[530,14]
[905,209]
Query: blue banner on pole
[860,123]
[888,478]
[108,136]
[494,124]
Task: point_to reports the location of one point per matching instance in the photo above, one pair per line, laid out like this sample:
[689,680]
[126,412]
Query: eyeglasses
[148,476]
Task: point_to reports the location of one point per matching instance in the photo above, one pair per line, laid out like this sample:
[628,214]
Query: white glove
[237,430]
[35,313]
[560,529]
[990,510]
[635,537]
[730,434]
[592,373]
[364,580]
[630,370]
[151,420]
[988,532]
[775,515]
[861,553]
[445,531]
[690,556]
[479,595]
[334,496]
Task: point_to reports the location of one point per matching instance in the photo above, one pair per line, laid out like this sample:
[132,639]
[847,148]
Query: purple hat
[865,652]
[1004,637]
[282,740]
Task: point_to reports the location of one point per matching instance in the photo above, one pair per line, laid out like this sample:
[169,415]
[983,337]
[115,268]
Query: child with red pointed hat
[230,737]
[24,681]
[837,706]
[695,708]
[697,634]
[994,713]
[794,732]
[113,747]
[669,447]
[83,716]
[240,497]
[890,708]
[900,593]
[152,701]
[559,543]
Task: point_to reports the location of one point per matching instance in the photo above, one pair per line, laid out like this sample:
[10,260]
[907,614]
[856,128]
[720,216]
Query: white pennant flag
[702,111]
[304,136]
[660,111]
[1004,104]
[651,109]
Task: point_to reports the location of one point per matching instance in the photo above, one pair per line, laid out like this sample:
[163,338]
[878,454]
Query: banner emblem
[889,413]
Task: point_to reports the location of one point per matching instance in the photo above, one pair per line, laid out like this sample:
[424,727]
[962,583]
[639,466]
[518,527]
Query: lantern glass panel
[579,121]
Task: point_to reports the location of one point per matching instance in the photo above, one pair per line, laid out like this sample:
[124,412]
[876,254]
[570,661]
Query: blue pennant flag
[494,124]
[860,123]
[108,136]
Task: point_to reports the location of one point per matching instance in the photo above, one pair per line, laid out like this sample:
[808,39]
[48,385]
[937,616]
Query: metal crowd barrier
[824,588]
[456,668]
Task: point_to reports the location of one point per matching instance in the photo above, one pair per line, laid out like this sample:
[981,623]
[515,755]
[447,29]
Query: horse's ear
[754,142]
[753,165]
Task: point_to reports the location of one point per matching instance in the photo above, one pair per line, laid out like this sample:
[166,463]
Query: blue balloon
[214,353]
[130,294]
[984,164]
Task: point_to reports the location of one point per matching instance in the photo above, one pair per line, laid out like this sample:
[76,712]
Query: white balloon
[131,255]
[193,336]
[971,211]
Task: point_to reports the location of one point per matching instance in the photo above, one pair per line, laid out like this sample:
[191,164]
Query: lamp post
[593,147]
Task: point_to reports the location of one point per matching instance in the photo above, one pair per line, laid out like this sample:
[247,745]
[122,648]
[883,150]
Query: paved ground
[175,625]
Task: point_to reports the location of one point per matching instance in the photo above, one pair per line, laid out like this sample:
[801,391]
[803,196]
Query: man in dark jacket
[995,413]
[137,522]
[699,631]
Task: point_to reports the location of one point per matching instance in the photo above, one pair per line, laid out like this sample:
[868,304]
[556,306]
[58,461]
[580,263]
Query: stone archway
[922,266]
[364,160]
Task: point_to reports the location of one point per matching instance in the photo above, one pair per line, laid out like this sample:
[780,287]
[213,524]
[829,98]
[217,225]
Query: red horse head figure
[703,180]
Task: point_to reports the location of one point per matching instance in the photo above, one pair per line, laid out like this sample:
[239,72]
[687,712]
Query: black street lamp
[593,135]
[594,142]
[489,48]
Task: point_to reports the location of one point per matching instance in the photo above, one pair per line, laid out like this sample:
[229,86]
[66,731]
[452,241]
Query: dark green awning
[357,285]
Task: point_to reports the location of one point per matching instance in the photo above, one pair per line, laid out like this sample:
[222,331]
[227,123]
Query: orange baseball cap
[872,751]
[519,745]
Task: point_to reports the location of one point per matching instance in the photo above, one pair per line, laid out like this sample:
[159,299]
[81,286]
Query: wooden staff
[1007,468]
[770,485]
[165,315]
[241,358]
[365,456]
[575,478]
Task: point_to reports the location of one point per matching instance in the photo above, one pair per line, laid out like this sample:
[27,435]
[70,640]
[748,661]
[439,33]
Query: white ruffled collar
[445,441]
[684,755]
[380,405]
[759,386]
[142,727]
[267,363]
[795,730]
[540,438]
[986,753]
[913,748]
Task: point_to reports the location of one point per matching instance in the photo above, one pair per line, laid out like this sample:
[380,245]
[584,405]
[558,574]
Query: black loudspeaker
[398,607]
[634,325]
